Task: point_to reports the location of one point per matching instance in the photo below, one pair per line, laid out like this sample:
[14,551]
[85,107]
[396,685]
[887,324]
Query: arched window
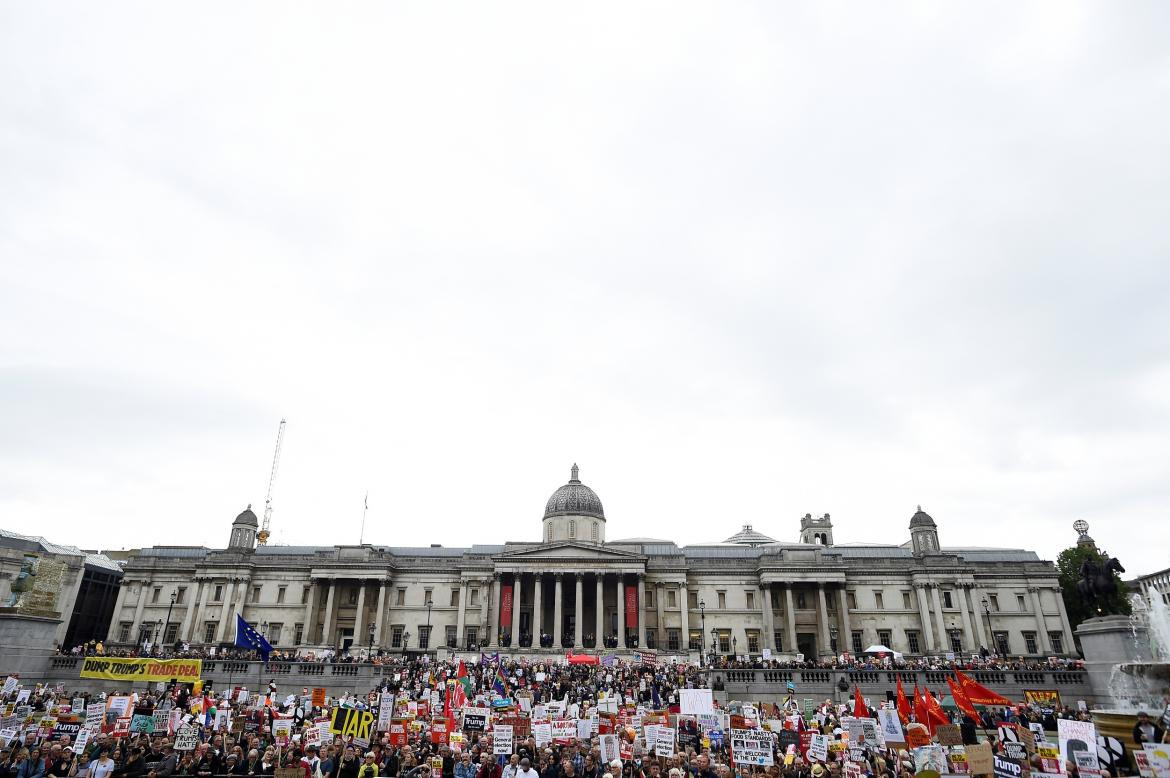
[819,539]
[572,528]
[595,531]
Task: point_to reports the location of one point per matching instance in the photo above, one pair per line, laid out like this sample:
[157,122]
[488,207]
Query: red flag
[978,693]
[859,707]
[921,712]
[903,704]
[935,710]
[961,701]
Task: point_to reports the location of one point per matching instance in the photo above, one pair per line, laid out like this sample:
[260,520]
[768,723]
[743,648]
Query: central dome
[574,499]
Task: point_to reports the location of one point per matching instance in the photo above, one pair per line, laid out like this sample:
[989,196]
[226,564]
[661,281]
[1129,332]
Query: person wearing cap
[311,762]
[1146,731]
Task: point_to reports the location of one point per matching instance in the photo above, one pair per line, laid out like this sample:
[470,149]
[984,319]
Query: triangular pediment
[567,550]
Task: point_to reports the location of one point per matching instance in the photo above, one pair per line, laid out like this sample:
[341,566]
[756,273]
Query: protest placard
[502,739]
[664,742]
[609,748]
[818,749]
[948,735]
[187,738]
[751,747]
[890,727]
[1075,736]
[1004,767]
[979,758]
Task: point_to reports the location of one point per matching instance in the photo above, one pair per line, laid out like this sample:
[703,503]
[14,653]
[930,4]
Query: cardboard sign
[1017,753]
[351,722]
[664,742]
[501,740]
[818,748]
[609,748]
[948,735]
[1075,736]
[187,738]
[1006,768]
[397,732]
[475,719]
[890,727]
[979,758]
[318,698]
[751,747]
[918,737]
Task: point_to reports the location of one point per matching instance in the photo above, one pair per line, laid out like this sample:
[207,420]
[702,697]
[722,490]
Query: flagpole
[365,507]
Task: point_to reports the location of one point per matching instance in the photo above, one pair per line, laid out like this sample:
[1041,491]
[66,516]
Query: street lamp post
[734,650]
[405,641]
[370,653]
[702,631]
[157,630]
[714,644]
[174,596]
[987,612]
[430,605]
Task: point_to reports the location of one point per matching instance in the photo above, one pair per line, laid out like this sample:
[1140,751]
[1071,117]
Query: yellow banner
[1045,698]
[120,669]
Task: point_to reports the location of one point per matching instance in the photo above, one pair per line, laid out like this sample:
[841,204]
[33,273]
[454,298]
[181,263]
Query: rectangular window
[396,631]
[722,599]
[593,531]
[451,631]
[671,598]
[850,601]
[154,595]
[218,596]
[831,604]
[180,595]
[427,596]
[209,632]
[454,598]
[274,633]
[1001,644]
[800,604]
[400,597]
[778,637]
[298,634]
[472,636]
[424,636]
[947,601]
[280,590]
[725,642]
[649,598]
[912,642]
[775,595]
[255,594]
[878,601]
[1057,641]
[353,596]
[473,597]
[305,596]
[1030,643]
[672,640]
[856,640]
[906,601]
[885,637]
[956,642]
[994,600]
[1020,606]
[695,640]
[692,600]
[750,598]
[124,632]
[171,634]
[753,642]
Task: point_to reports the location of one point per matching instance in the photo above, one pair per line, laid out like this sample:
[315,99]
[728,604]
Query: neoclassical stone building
[575,589]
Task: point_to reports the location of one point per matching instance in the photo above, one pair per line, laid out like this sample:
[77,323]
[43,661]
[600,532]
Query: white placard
[664,742]
[818,749]
[751,746]
[1075,736]
[695,701]
[890,726]
[502,739]
[609,749]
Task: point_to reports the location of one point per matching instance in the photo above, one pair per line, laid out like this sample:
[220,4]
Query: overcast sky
[740,261]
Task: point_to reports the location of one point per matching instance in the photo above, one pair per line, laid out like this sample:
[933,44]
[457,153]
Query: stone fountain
[1127,658]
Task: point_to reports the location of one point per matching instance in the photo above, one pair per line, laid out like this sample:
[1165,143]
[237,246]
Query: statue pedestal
[1106,642]
[26,641]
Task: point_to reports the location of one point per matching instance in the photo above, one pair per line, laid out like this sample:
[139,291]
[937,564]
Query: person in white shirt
[526,770]
[512,767]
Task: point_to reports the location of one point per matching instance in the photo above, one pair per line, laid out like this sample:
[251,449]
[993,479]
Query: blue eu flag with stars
[248,637]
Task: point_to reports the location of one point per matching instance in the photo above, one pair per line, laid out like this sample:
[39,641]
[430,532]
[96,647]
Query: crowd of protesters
[254,752]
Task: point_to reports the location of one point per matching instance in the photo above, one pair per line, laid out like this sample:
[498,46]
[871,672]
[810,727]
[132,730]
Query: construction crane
[262,535]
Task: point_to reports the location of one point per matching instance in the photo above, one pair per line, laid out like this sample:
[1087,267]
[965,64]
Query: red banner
[631,606]
[506,605]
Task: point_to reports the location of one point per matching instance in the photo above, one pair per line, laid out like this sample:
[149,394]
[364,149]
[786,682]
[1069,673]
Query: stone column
[579,610]
[767,617]
[789,620]
[310,612]
[943,644]
[641,611]
[1070,647]
[485,591]
[660,629]
[684,610]
[136,627]
[380,616]
[537,606]
[621,611]
[977,614]
[516,584]
[599,614]
[846,627]
[494,609]
[968,635]
[558,609]
[185,627]
[359,618]
[823,620]
[1045,645]
[924,616]
[327,622]
[201,613]
[229,591]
